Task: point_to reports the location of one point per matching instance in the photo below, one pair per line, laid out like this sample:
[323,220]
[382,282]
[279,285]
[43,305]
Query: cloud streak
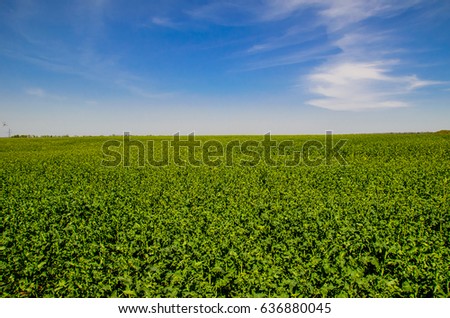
[303,56]
[360,76]
[86,59]
[348,57]
[361,86]
[360,68]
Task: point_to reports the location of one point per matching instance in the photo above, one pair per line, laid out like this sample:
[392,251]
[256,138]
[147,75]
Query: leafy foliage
[377,227]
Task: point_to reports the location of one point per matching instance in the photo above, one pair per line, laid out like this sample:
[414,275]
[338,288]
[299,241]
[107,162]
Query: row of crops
[378,226]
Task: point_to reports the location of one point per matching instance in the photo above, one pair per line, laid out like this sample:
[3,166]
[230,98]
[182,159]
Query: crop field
[377,226]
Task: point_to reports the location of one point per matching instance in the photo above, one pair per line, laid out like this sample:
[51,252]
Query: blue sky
[224,67]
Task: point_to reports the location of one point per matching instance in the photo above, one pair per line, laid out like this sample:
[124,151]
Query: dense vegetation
[376,227]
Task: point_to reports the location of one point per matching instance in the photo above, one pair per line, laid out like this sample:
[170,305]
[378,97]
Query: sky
[98,67]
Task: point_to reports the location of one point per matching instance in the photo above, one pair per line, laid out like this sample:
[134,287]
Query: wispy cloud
[361,86]
[336,14]
[292,36]
[302,56]
[361,76]
[80,55]
[359,62]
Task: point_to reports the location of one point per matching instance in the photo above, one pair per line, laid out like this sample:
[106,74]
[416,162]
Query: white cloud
[336,14]
[344,73]
[361,76]
[414,82]
[361,86]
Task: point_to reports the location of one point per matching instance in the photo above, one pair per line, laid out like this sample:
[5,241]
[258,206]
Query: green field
[378,226]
